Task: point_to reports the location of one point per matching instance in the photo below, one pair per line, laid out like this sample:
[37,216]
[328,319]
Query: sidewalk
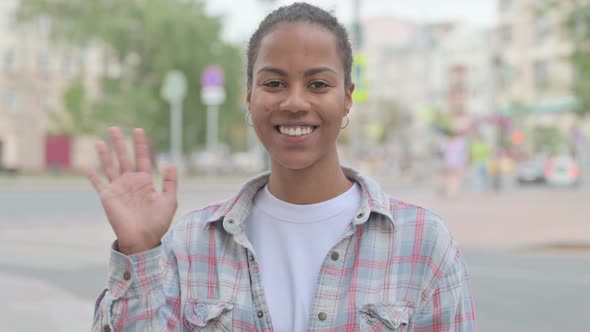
[32,305]
[514,220]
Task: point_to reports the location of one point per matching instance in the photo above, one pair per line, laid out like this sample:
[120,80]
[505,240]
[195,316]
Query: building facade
[34,73]
[532,63]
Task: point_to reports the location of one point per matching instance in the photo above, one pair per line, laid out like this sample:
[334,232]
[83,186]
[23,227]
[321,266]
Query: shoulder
[235,205]
[195,222]
[422,227]
[411,215]
[200,218]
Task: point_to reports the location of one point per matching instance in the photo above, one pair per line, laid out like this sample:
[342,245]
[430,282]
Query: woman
[310,245]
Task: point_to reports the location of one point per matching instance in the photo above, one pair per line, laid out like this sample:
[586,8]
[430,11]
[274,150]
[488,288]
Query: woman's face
[297,97]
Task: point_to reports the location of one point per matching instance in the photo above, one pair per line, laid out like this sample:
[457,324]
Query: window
[505,76]
[9,62]
[10,102]
[45,103]
[541,75]
[505,5]
[542,28]
[44,62]
[580,29]
[10,20]
[68,65]
[506,34]
[44,25]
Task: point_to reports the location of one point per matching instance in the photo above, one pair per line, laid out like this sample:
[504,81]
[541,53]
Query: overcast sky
[242,16]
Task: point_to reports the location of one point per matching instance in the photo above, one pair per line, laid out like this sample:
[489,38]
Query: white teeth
[295,130]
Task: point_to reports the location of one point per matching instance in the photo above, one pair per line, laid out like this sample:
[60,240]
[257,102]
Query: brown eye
[273,84]
[318,85]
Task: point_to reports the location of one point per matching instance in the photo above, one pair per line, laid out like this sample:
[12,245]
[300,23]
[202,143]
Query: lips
[298,130]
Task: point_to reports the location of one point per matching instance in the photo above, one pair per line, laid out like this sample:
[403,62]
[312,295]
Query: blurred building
[34,72]
[532,64]
[400,57]
[462,72]
[415,69]
[462,78]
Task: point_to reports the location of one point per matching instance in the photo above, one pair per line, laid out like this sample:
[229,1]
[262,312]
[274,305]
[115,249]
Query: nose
[295,100]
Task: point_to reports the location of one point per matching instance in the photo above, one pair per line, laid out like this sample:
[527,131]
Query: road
[55,245]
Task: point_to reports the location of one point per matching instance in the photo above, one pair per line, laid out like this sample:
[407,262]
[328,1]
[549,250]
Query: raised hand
[138,213]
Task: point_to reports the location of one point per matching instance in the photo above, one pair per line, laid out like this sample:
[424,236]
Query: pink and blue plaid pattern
[396,268]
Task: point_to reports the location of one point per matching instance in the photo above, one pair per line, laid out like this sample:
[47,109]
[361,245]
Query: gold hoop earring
[347,121]
[248,118]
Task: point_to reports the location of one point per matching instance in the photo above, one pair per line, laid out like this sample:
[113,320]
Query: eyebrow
[309,72]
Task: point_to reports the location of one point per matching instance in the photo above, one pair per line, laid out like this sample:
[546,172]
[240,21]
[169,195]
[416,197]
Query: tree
[75,118]
[576,27]
[146,39]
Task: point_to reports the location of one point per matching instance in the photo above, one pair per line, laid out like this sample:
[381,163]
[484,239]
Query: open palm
[138,213]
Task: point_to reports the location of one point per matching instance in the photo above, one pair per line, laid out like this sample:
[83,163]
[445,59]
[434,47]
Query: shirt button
[231,221]
[360,215]
[106,328]
[322,316]
[260,314]
[127,275]
[335,255]
[251,258]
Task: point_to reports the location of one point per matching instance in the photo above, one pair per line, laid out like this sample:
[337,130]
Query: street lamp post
[174,91]
[212,95]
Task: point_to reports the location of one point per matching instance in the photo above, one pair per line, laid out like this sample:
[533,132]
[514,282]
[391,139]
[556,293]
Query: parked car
[562,170]
[532,171]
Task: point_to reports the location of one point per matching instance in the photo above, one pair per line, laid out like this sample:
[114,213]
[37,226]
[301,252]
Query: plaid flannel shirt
[396,268]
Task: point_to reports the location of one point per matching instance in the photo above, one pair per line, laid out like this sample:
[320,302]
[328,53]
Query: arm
[142,294]
[143,289]
[450,306]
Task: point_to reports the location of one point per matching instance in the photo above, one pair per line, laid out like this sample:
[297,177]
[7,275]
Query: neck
[310,185]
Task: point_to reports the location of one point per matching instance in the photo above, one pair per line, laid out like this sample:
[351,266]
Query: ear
[348,97]
[248,96]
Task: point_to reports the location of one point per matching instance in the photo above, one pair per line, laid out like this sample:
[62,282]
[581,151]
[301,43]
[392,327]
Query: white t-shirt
[291,242]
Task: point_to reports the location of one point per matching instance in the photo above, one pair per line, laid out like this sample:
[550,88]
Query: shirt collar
[234,211]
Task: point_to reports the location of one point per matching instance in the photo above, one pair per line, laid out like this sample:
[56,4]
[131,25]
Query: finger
[95,180]
[121,150]
[170,181]
[142,151]
[106,160]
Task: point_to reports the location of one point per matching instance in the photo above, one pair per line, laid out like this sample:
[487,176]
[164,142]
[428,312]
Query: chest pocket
[208,316]
[385,316]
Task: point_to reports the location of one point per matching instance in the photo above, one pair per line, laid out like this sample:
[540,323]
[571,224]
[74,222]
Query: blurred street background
[478,110]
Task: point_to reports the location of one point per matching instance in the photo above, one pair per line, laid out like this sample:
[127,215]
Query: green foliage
[576,27]
[146,39]
[74,119]
[548,139]
[517,110]
[442,122]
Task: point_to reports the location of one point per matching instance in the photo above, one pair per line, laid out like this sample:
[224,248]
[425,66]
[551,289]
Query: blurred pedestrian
[495,170]
[480,151]
[456,159]
[310,245]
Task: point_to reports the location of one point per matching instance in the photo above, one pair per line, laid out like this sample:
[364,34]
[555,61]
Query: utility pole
[356,24]
[355,125]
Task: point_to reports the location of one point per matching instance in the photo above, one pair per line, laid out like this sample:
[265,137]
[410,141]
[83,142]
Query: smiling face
[298,96]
